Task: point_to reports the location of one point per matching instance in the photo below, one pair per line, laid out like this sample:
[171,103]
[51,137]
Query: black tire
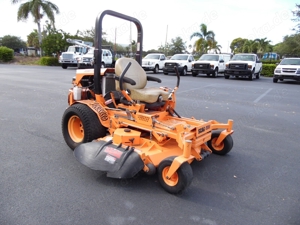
[215,73]
[251,76]
[258,75]
[194,74]
[183,72]
[85,125]
[208,74]
[64,66]
[226,76]
[156,69]
[166,73]
[225,146]
[180,180]
[275,80]
[79,66]
[281,79]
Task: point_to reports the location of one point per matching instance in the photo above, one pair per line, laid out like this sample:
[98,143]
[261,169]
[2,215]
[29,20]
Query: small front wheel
[179,181]
[224,147]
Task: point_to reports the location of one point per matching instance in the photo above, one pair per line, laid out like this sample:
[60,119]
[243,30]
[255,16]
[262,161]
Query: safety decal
[114,152]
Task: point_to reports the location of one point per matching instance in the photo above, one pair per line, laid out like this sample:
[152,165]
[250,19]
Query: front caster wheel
[224,147]
[180,180]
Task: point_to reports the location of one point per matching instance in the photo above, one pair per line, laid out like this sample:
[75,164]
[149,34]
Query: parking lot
[256,183]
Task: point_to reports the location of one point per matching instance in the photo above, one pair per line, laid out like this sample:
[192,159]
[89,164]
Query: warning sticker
[110,159]
[114,152]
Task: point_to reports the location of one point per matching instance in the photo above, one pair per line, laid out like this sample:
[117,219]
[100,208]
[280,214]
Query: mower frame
[124,139]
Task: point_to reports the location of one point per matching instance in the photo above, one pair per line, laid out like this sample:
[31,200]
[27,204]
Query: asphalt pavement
[258,182]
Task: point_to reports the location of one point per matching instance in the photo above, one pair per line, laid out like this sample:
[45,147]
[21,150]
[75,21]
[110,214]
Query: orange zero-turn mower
[115,124]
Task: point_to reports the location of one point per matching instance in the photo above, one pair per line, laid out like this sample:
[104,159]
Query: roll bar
[98,44]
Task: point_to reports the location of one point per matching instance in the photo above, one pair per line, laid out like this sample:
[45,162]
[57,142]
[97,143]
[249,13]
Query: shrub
[6,54]
[270,61]
[49,61]
[268,70]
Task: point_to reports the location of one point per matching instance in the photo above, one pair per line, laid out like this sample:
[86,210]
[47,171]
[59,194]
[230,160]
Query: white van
[210,64]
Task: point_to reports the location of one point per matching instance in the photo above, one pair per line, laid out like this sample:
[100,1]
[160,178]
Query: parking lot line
[263,95]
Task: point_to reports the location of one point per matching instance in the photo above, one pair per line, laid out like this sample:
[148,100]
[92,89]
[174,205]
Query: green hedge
[49,61]
[270,61]
[268,70]
[6,54]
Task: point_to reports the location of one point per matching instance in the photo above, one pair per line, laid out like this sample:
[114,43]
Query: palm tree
[204,35]
[213,46]
[263,44]
[249,46]
[37,9]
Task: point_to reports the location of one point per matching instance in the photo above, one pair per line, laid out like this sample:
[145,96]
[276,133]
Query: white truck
[182,61]
[154,62]
[69,58]
[243,65]
[288,68]
[87,60]
[210,64]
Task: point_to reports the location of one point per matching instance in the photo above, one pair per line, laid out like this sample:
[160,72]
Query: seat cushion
[149,95]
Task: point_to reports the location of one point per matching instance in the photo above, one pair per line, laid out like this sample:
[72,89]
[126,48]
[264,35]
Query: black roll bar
[98,44]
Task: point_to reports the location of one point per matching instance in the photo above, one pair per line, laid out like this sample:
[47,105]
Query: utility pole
[166,51]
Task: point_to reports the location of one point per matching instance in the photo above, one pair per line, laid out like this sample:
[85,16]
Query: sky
[165,20]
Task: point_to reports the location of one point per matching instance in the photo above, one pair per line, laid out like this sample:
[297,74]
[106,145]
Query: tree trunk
[40,37]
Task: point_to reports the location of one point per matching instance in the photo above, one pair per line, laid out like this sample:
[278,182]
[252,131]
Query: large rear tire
[225,146]
[80,124]
[180,180]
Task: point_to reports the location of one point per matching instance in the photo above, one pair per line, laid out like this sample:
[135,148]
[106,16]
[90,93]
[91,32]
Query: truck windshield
[290,62]
[75,49]
[243,58]
[209,58]
[152,57]
[179,57]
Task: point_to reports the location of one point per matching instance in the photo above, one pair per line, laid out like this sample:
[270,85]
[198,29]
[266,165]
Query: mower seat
[139,92]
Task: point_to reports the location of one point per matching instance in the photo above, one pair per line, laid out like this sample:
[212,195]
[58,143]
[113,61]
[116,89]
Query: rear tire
[179,181]
[225,146]
[275,80]
[80,124]
[166,73]
[226,76]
